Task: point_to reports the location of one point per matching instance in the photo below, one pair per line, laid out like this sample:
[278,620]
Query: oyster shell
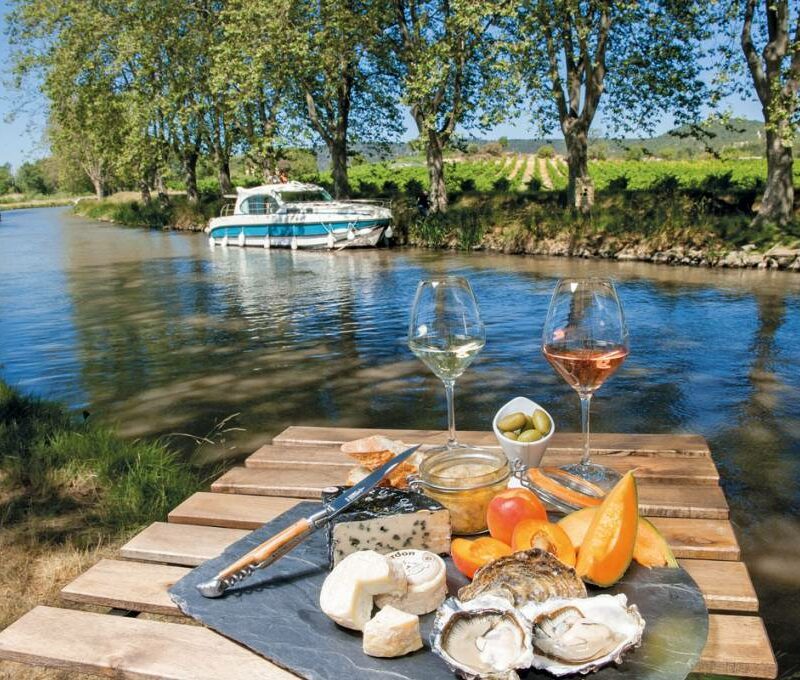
[527,576]
[483,638]
[582,635]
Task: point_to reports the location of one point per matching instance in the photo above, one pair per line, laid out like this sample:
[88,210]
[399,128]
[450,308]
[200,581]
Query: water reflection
[163,335]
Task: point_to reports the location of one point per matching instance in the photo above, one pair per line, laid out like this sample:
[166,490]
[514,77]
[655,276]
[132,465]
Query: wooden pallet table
[679,490]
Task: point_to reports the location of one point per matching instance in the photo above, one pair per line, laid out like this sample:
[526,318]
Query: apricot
[509,508]
[469,556]
[537,533]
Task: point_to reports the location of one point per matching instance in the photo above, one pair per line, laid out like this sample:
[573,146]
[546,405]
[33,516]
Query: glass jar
[464,480]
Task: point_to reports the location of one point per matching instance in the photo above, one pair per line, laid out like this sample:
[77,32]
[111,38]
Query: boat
[298,215]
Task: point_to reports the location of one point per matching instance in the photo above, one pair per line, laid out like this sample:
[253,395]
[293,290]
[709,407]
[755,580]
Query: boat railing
[227,209]
[380,202]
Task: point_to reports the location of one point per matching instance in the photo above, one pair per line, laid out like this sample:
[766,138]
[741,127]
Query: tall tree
[338,86]
[645,55]
[69,51]
[254,76]
[447,60]
[775,73]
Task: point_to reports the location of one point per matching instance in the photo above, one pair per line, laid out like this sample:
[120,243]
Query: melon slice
[607,548]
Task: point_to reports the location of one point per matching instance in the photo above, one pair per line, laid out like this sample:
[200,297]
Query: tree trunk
[144,189]
[437,191]
[99,187]
[161,189]
[777,204]
[580,189]
[190,177]
[338,151]
[224,175]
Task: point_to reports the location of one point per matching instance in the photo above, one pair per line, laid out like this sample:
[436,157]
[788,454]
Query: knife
[281,543]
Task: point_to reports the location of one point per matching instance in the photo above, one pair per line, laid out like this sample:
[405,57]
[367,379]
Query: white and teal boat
[297,215]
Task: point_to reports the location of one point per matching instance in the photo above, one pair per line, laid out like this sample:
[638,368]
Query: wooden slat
[737,645]
[110,645]
[225,510]
[652,469]
[179,544]
[726,586]
[135,586]
[602,443]
[692,538]
[140,586]
[655,500]
[117,646]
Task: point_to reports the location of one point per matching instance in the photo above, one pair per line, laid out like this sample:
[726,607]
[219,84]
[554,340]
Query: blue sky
[21,138]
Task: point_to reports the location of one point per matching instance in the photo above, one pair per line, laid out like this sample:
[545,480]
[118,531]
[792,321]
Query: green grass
[176,213]
[55,464]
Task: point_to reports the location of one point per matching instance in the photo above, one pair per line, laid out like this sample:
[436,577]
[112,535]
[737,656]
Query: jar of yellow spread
[464,480]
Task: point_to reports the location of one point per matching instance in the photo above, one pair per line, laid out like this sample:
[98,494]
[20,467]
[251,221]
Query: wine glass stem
[451,412]
[586,400]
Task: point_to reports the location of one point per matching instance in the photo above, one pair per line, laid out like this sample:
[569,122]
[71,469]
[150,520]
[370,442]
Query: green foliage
[32,178]
[54,462]
[545,151]
[6,179]
[460,227]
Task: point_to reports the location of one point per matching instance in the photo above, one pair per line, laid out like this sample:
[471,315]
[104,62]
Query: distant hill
[739,136]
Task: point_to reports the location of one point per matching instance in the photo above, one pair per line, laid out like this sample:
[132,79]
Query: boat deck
[679,490]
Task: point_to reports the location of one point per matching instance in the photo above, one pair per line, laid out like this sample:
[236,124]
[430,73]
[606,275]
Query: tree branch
[751,55]
[596,71]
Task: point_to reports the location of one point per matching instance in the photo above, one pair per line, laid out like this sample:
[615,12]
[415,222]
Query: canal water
[162,335]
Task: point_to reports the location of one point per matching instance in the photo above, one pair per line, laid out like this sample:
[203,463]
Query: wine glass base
[599,475]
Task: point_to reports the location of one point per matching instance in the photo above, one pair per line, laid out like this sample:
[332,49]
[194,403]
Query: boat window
[309,196]
[259,205]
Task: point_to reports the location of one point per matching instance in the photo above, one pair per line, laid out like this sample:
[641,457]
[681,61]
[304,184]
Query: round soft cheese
[427,582]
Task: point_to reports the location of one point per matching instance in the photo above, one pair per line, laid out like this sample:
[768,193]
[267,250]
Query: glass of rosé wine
[585,339]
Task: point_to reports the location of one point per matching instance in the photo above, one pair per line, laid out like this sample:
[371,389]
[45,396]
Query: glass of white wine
[446,333]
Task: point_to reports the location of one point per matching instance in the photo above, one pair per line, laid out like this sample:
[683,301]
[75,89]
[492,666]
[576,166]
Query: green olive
[513,422]
[510,435]
[530,436]
[541,421]
[529,424]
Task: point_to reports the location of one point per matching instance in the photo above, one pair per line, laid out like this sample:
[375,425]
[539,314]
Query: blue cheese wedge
[386,520]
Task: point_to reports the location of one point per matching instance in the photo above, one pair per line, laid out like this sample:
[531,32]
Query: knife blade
[284,541]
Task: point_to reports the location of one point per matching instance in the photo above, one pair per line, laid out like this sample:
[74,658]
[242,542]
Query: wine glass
[446,332]
[585,339]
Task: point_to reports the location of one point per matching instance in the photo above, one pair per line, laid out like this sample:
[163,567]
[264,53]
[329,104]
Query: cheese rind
[391,633]
[348,591]
[386,520]
[427,582]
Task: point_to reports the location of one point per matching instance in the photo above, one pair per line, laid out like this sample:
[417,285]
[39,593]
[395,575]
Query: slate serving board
[276,614]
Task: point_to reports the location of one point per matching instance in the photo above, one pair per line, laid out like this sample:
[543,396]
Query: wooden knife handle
[271,549]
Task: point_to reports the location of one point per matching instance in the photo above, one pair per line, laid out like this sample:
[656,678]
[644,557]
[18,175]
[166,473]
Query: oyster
[483,638]
[527,576]
[582,635]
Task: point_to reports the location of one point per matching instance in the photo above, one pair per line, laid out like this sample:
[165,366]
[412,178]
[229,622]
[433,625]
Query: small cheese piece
[427,582]
[386,520]
[392,632]
[348,591]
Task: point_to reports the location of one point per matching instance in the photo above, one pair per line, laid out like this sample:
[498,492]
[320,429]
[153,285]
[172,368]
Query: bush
[467,184]
[501,184]
[390,188]
[413,187]
[546,151]
[634,153]
[666,184]
[535,184]
[493,149]
[618,184]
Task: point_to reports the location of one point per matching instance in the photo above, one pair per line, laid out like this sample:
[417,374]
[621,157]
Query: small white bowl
[529,453]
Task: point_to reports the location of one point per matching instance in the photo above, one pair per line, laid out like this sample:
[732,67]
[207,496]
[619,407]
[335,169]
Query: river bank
[687,228]
[71,492]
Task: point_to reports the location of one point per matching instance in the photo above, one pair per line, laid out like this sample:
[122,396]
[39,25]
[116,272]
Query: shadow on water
[162,335]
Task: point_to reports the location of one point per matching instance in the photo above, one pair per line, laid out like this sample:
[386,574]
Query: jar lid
[560,490]
[463,468]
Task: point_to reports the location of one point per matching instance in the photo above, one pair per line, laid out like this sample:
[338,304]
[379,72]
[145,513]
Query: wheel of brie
[427,585]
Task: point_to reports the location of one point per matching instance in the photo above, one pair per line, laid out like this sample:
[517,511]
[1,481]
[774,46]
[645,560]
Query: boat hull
[362,233]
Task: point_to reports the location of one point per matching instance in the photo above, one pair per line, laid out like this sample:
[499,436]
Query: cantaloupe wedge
[607,548]
[650,550]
